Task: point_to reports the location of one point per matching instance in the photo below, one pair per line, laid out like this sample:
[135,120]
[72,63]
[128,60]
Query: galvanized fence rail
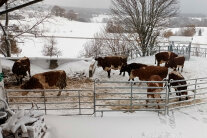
[110,96]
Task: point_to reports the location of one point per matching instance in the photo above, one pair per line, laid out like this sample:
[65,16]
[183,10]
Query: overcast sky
[186,6]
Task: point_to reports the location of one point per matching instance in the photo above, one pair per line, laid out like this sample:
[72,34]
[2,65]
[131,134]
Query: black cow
[174,75]
[129,67]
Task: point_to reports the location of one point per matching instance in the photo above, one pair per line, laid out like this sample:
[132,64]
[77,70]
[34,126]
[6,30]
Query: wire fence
[111,96]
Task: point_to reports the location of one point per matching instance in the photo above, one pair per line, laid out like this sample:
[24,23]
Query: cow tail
[155,59]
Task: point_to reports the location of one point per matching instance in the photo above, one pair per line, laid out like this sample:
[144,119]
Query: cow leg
[180,99]
[21,80]
[109,71]
[182,69]
[124,73]
[17,78]
[158,101]
[29,73]
[147,101]
[59,93]
[43,93]
[120,73]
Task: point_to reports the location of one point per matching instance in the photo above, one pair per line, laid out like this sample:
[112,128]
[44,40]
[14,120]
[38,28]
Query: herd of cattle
[148,72]
[57,79]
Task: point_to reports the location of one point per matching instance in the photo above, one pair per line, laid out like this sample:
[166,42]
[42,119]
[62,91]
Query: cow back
[145,73]
[51,79]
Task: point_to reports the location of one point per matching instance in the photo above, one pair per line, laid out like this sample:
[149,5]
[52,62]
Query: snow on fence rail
[109,96]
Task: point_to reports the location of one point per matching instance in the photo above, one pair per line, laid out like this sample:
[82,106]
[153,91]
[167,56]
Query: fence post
[195,91]
[79,102]
[45,102]
[131,103]
[94,98]
[166,97]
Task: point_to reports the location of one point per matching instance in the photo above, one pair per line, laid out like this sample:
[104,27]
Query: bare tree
[145,18]
[106,44]
[14,47]
[50,49]
[20,28]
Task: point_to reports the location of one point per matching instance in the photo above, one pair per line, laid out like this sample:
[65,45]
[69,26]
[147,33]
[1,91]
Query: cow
[20,69]
[162,57]
[46,80]
[179,85]
[111,62]
[176,63]
[129,67]
[156,91]
[144,73]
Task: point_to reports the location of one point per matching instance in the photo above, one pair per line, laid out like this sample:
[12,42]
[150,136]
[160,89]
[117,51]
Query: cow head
[170,64]
[100,61]
[124,68]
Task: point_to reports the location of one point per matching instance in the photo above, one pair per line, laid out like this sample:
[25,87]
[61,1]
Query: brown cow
[162,57]
[20,69]
[176,63]
[154,90]
[111,62]
[144,73]
[46,80]
[180,85]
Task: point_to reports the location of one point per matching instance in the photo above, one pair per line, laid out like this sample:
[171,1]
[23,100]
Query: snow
[100,18]
[183,123]
[188,122]
[61,27]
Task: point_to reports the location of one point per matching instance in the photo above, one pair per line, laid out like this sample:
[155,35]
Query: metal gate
[110,96]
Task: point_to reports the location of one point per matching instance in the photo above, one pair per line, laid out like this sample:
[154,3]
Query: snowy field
[73,48]
[183,123]
[61,27]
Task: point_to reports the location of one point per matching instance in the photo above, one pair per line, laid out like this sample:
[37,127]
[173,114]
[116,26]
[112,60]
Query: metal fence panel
[109,96]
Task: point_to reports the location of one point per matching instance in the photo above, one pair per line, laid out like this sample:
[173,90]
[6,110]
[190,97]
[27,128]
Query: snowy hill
[61,27]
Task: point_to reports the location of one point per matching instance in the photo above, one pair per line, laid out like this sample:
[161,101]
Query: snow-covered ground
[183,123]
[61,27]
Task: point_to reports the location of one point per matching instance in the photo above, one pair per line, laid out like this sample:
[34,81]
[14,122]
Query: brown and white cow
[144,73]
[163,57]
[20,69]
[46,80]
[111,62]
[176,63]
[180,85]
[156,91]
[129,67]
